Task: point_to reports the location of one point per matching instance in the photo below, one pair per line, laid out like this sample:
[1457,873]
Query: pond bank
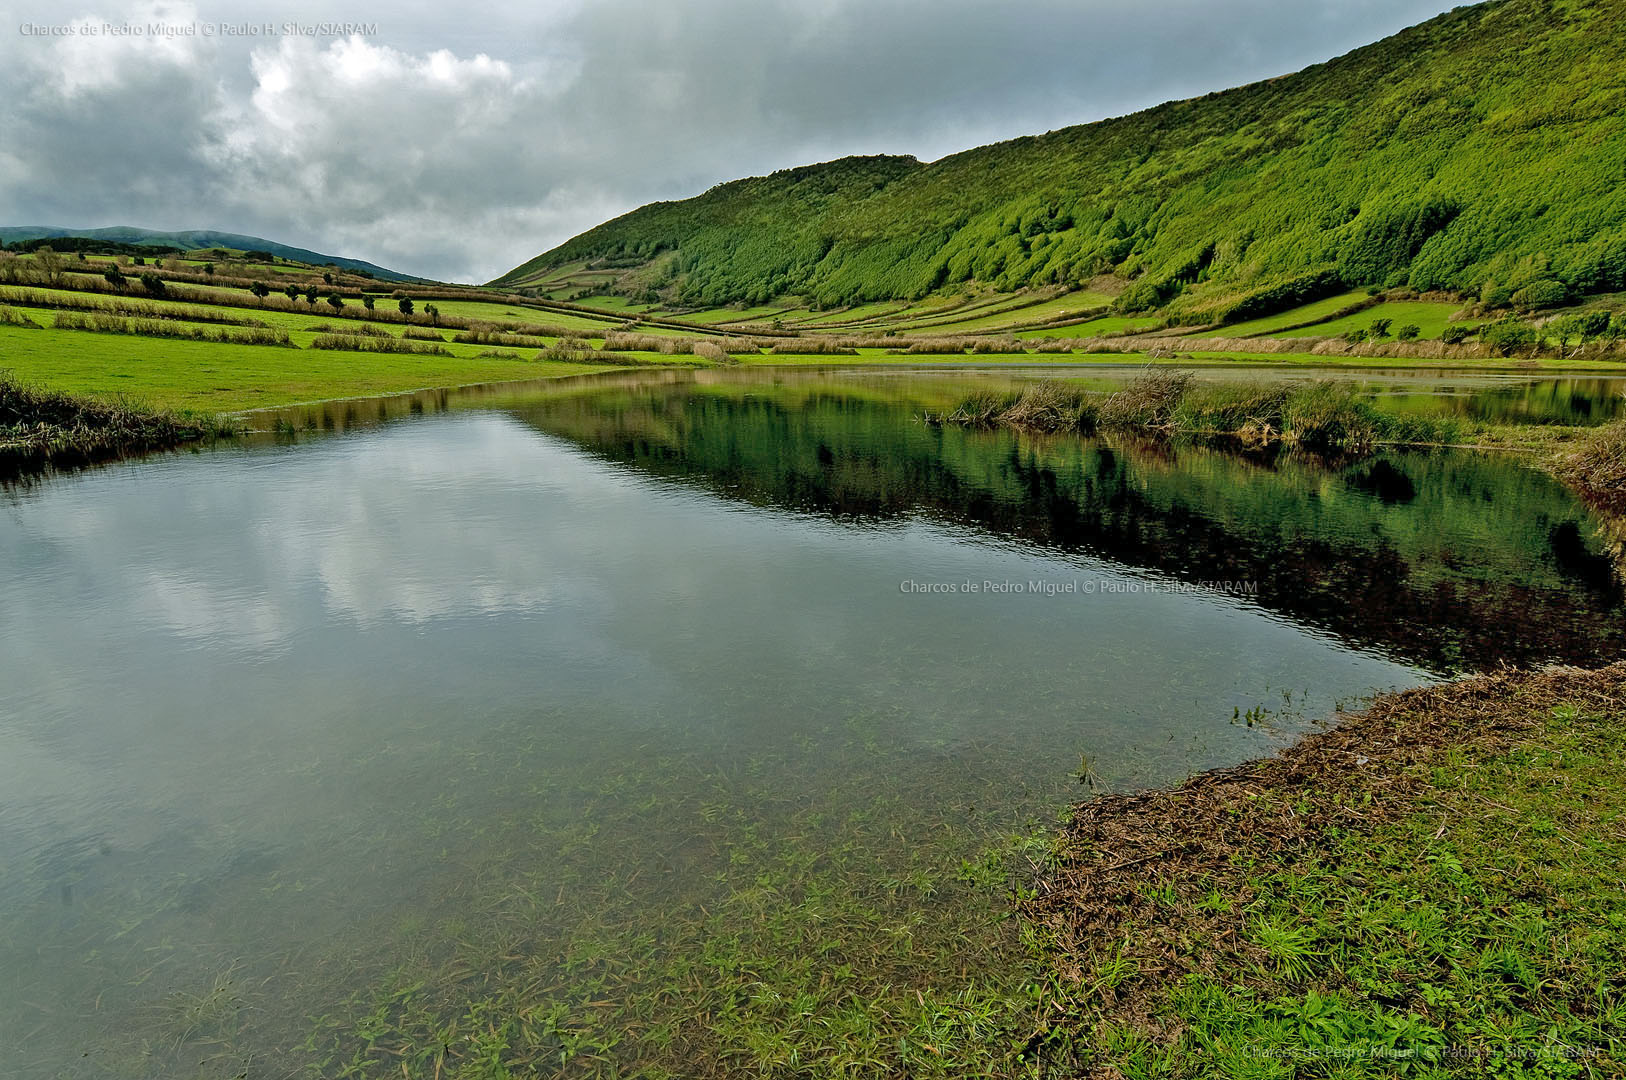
[1435,880]
[42,427]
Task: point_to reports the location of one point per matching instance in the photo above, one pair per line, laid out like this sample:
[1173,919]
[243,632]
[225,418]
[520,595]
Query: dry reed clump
[713,352]
[621,341]
[362,343]
[1148,401]
[364,329]
[812,347]
[422,333]
[489,334]
[1598,469]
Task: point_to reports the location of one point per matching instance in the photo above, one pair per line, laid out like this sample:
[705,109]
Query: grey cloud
[457,142]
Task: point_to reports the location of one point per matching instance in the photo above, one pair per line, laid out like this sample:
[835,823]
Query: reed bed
[1324,416]
[1598,469]
[42,427]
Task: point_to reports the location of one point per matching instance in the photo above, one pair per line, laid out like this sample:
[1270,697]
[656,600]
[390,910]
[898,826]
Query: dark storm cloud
[457,141]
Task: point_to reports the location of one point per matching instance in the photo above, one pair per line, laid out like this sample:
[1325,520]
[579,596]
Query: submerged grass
[1325,415]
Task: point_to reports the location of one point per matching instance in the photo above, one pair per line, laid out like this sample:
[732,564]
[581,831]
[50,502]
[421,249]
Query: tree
[260,289]
[49,263]
[209,268]
[367,302]
[114,277]
[291,292]
[334,301]
[1456,333]
[1355,337]
[1408,332]
[1379,328]
[433,312]
[404,305]
[1509,335]
[328,278]
[152,283]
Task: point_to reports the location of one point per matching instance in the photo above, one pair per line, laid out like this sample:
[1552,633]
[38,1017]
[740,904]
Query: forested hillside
[1482,152]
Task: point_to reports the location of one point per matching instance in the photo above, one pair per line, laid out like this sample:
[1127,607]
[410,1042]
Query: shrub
[1355,337]
[10,316]
[1456,333]
[1379,329]
[153,284]
[404,305]
[421,333]
[1508,336]
[1409,332]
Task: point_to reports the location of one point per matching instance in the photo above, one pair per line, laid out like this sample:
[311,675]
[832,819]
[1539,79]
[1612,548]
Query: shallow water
[411,683]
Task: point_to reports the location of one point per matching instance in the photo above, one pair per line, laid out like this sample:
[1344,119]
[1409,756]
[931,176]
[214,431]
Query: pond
[628,721]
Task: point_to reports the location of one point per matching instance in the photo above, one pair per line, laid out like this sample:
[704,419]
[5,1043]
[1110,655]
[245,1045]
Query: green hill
[1483,152]
[193,239]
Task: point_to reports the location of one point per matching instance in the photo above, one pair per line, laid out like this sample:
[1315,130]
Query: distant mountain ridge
[1483,151]
[201,238]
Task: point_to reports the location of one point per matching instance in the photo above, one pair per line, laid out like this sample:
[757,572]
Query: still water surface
[404,691]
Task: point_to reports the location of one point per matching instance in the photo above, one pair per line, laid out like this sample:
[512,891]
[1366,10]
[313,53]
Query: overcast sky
[456,140]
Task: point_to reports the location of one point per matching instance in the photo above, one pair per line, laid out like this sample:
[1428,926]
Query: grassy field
[1107,324]
[1305,313]
[1433,889]
[229,378]
[1429,318]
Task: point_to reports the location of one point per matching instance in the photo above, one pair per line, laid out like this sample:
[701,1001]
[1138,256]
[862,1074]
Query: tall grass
[361,343]
[126,305]
[493,336]
[1324,416]
[10,316]
[1598,469]
[364,329]
[812,347]
[166,328]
